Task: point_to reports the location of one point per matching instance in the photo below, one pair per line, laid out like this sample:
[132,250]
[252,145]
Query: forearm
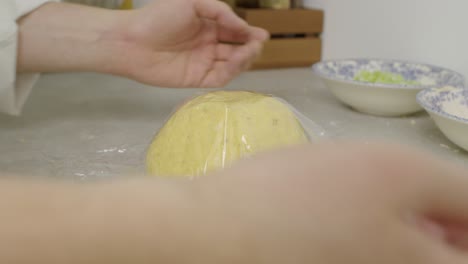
[141,221]
[66,37]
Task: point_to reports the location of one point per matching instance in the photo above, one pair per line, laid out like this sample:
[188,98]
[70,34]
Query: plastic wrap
[213,130]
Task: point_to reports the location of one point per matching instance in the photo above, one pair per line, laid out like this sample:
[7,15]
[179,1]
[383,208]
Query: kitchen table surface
[88,126]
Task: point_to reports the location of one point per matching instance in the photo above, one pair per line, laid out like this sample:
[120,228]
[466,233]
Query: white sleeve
[14,89]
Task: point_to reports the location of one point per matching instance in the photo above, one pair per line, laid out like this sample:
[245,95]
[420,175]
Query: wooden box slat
[296,36]
[294,52]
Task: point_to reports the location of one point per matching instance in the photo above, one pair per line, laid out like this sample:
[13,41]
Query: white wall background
[433,31]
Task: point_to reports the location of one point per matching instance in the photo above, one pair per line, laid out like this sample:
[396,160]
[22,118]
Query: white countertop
[88,125]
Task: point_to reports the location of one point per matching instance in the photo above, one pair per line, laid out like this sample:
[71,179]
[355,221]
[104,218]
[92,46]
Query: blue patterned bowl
[448,107]
[379,98]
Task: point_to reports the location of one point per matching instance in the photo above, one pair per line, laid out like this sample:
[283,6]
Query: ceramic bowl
[378,98]
[448,107]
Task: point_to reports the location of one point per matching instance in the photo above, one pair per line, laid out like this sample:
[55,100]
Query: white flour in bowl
[458,106]
[457,109]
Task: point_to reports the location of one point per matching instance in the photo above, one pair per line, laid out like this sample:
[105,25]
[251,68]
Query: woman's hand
[171,43]
[324,203]
[187,43]
[342,203]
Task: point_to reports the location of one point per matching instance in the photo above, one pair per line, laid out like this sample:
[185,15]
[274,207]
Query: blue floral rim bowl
[448,107]
[383,99]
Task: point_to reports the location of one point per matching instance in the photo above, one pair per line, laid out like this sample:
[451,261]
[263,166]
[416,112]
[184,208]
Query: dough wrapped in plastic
[213,130]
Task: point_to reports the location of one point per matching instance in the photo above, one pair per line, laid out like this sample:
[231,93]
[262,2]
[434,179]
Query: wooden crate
[295,36]
[289,52]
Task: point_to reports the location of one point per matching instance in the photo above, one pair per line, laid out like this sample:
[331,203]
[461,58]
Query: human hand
[339,204]
[186,43]
[176,43]
[330,204]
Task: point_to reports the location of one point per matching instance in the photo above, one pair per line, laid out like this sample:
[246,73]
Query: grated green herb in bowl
[382,77]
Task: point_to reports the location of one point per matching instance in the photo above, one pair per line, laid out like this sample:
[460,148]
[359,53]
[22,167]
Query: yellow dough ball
[212,131]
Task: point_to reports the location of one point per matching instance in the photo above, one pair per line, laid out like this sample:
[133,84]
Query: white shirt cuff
[14,89]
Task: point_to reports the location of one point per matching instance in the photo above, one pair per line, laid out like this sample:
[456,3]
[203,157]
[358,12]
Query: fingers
[233,37]
[253,33]
[437,188]
[231,28]
[242,56]
[221,13]
[238,54]
[440,193]
[447,204]
[447,194]
[427,250]
[260,34]
[231,61]
[225,51]
[457,236]
[429,188]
